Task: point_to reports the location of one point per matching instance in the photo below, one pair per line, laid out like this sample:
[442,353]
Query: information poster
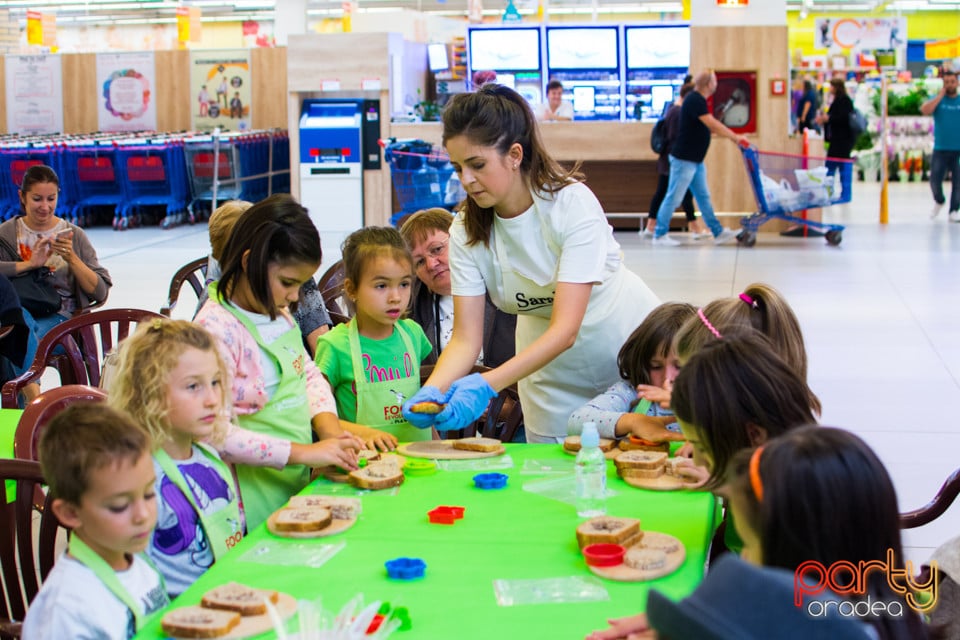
[34,94]
[125,87]
[860,34]
[220,86]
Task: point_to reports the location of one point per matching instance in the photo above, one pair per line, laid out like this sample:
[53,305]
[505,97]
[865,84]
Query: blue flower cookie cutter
[405,568]
[490,480]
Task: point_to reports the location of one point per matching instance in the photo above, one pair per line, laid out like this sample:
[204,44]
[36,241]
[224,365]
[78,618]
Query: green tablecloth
[506,534]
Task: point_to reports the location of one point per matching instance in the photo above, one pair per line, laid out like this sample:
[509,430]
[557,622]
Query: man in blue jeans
[945,109]
[686,162]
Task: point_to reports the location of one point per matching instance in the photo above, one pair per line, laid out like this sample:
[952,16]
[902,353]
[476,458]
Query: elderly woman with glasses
[427,234]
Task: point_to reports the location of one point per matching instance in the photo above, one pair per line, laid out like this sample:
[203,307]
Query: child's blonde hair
[364,245]
[145,361]
[759,307]
[221,224]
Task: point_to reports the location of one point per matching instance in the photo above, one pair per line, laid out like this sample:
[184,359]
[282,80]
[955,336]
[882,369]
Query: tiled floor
[879,314]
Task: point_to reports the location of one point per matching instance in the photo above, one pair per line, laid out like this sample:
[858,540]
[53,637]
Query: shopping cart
[422,176]
[785,184]
[91,176]
[15,159]
[153,174]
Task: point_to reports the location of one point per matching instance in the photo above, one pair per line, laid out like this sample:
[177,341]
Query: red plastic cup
[603,554]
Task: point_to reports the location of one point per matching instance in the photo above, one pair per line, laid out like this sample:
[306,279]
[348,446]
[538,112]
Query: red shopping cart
[786,184]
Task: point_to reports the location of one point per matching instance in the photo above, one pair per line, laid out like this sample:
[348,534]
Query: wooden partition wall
[172,91]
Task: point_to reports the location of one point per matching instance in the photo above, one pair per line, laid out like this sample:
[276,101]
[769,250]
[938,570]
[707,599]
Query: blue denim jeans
[687,175]
[846,177]
[939,163]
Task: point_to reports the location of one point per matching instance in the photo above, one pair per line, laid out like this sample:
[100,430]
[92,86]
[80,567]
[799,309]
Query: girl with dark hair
[373,361]
[535,238]
[277,390]
[736,393]
[639,403]
[821,494]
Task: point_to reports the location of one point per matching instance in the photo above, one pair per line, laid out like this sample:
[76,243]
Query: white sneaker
[699,235]
[937,206]
[665,241]
[646,234]
[954,216]
[725,236]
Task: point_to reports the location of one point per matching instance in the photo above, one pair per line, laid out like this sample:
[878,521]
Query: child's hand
[377,440]
[629,627]
[654,394]
[341,452]
[693,475]
[652,431]
[685,451]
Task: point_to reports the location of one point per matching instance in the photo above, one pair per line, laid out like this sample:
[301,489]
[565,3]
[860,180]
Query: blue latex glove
[423,420]
[467,399]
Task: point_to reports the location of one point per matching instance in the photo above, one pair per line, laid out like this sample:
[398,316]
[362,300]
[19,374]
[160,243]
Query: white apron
[589,367]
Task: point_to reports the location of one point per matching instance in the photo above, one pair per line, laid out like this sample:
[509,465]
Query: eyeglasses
[432,252]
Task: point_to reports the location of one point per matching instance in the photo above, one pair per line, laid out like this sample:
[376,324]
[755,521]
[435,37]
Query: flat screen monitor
[505,49]
[582,48]
[660,96]
[437,57]
[584,99]
[658,47]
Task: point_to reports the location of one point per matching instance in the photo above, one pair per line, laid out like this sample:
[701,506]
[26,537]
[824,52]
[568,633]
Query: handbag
[858,123]
[34,288]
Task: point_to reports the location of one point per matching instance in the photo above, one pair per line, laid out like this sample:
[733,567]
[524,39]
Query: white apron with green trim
[286,415]
[378,403]
[548,396]
[222,528]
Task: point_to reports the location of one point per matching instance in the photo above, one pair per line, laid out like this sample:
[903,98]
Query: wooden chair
[331,288]
[931,511]
[193,273]
[85,340]
[22,568]
[502,419]
[41,409]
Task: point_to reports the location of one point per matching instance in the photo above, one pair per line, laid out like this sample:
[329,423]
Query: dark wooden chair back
[23,568]
[331,289]
[84,340]
[193,273]
[502,419]
[41,409]
[936,507]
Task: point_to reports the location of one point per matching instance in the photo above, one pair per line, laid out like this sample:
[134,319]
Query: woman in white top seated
[536,239]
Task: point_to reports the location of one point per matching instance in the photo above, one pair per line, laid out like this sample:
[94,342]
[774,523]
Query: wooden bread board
[335,527]
[443,450]
[660,483]
[625,573]
[255,625]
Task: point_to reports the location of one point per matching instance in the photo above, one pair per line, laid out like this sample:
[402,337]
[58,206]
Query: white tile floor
[879,314]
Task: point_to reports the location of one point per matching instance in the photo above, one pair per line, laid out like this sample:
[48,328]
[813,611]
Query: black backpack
[658,137]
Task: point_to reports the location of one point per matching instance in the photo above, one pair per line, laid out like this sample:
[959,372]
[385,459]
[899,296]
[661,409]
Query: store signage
[942,49]
[34,27]
[733,3]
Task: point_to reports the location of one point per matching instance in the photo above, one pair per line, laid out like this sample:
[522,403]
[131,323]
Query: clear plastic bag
[348,490]
[511,593]
[476,464]
[562,488]
[564,466]
[292,553]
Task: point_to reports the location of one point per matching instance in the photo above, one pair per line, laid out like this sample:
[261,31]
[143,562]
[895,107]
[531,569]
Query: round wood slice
[335,527]
[331,474]
[443,450]
[609,455]
[624,573]
[255,625]
[661,483]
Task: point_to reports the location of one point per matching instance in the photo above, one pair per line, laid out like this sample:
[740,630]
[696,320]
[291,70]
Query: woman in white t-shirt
[536,239]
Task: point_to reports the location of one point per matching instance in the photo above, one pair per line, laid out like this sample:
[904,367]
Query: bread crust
[340,508]
[379,475]
[308,518]
[485,445]
[627,445]
[608,529]
[427,407]
[572,444]
[234,596]
[641,459]
[199,622]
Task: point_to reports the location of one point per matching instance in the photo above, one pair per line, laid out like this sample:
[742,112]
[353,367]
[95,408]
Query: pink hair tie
[750,301]
[708,325]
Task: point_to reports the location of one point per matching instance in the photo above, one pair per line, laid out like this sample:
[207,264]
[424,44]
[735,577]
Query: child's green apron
[222,527]
[82,553]
[286,415]
[378,403]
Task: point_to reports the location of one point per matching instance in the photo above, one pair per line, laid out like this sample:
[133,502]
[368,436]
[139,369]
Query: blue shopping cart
[153,174]
[785,184]
[91,177]
[422,176]
[15,159]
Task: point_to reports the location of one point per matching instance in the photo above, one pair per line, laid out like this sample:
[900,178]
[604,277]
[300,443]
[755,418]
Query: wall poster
[34,94]
[220,86]
[126,99]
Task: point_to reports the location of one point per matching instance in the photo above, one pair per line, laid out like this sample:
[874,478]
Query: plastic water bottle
[591,468]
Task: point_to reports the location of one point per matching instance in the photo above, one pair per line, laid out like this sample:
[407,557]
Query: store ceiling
[100,12]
